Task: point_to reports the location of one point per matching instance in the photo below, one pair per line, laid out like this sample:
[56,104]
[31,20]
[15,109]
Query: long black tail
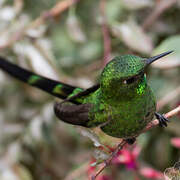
[55,88]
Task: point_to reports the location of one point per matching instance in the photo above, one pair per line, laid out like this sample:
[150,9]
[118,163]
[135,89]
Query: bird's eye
[129,81]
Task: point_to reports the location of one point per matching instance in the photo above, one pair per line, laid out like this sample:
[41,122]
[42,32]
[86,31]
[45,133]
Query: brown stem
[162,6]
[54,12]
[155,122]
[108,161]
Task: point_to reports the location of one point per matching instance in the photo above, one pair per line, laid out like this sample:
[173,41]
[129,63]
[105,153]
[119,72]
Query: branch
[155,122]
[162,6]
[108,161]
[54,12]
[151,125]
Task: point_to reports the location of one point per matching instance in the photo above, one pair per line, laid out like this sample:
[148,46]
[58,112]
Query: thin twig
[54,12]
[105,31]
[108,161]
[151,125]
[162,6]
[155,122]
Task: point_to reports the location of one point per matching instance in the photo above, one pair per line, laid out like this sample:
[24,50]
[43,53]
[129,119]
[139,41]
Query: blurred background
[71,41]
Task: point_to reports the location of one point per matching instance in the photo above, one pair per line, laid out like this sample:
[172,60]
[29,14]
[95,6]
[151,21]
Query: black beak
[154,58]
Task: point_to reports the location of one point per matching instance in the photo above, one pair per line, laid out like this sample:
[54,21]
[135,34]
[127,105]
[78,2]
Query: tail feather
[55,88]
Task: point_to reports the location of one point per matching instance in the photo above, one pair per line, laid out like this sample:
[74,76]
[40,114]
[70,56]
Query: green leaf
[133,36]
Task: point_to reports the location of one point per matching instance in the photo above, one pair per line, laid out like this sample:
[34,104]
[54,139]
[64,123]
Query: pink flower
[127,157]
[151,173]
[104,177]
[91,169]
[176,142]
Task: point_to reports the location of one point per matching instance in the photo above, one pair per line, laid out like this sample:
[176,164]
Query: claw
[131,141]
[162,120]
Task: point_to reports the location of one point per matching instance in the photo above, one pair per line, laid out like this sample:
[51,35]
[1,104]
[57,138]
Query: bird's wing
[55,88]
[72,113]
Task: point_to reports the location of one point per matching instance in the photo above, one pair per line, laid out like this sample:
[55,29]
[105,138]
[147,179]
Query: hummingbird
[121,104]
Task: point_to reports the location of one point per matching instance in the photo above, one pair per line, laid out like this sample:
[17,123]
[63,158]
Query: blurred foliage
[33,143]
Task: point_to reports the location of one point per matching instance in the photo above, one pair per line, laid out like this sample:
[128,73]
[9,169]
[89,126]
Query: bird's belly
[129,119]
[126,127]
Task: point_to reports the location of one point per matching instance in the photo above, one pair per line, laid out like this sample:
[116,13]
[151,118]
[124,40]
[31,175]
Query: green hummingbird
[121,104]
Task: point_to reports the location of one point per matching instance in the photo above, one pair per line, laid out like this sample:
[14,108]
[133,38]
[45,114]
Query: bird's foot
[130,141]
[162,120]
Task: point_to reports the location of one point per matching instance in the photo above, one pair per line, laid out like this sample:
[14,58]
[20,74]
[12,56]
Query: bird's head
[125,74]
